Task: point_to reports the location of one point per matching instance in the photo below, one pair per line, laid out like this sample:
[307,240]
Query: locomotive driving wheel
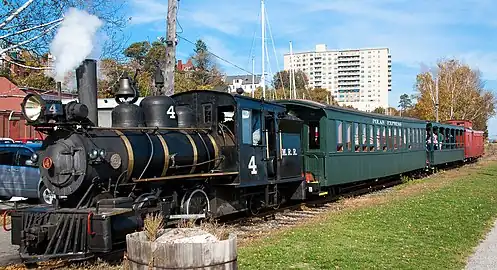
[196,202]
[255,204]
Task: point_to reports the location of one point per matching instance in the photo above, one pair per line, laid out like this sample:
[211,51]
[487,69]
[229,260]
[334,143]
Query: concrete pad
[485,256]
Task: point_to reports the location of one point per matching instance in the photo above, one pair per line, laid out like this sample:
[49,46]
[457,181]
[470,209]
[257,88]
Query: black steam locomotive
[191,155]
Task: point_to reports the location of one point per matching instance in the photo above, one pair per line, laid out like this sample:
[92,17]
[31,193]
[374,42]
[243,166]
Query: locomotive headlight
[93,154]
[102,153]
[32,107]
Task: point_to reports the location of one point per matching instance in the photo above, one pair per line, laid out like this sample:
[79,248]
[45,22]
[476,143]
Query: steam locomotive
[198,154]
[176,155]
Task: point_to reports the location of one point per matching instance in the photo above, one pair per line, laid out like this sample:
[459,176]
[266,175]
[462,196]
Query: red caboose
[473,139]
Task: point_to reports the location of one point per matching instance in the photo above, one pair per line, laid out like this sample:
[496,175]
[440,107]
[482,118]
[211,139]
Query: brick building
[12,125]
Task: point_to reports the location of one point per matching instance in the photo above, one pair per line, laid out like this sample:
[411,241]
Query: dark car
[19,175]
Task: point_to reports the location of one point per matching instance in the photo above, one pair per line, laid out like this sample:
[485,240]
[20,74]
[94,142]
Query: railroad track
[248,227]
[287,215]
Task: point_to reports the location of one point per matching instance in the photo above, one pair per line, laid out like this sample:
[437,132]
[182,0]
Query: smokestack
[86,80]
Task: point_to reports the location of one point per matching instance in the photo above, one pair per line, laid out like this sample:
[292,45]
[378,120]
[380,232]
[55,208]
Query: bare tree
[31,25]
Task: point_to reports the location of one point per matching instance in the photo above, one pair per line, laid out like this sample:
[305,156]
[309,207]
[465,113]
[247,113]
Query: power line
[25,66]
[217,56]
[222,59]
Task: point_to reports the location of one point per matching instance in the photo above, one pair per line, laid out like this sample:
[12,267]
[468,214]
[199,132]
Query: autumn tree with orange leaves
[461,95]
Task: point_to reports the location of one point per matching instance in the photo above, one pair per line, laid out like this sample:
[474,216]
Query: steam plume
[74,41]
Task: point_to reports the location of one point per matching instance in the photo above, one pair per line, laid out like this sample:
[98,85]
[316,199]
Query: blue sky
[418,33]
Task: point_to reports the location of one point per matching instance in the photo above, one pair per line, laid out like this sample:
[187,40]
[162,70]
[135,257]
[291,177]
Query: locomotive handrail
[324,162]
[267,143]
[88,224]
[185,176]
[5,221]
[148,128]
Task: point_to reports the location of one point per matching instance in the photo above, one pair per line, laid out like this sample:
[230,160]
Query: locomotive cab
[259,141]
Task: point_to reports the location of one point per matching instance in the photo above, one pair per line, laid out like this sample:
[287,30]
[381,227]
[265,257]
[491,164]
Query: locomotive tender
[202,153]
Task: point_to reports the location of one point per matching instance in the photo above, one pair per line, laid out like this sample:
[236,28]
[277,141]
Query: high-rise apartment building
[360,77]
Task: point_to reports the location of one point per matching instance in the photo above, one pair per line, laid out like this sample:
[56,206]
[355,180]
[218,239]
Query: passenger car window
[7,157]
[339,135]
[313,135]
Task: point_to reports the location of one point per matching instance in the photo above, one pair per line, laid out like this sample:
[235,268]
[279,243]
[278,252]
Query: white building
[357,77]
[244,82]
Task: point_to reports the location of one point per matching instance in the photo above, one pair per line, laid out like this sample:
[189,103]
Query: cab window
[246,126]
[251,127]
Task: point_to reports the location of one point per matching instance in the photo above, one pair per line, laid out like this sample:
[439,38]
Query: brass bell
[125,89]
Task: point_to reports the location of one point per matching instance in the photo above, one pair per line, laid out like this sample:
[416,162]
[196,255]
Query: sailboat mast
[253,76]
[292,81]
[290,73]
[263,25]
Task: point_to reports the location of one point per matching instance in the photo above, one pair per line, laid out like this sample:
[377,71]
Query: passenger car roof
[317,106]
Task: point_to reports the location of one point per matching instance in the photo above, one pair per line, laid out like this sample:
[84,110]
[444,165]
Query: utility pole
[170,63]
[436,97]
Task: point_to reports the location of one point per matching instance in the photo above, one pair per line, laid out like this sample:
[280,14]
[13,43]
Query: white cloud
[484,61]
[148,11]
[417,32]
[224,24]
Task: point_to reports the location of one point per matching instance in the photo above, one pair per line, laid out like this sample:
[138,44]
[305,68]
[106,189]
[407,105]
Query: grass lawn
[432,223]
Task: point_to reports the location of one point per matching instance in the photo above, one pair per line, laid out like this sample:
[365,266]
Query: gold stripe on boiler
[129,150]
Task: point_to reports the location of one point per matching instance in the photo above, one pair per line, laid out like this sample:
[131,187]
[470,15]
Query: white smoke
[74,41]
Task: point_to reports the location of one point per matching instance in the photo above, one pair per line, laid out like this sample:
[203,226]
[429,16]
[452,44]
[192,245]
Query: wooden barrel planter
[182,248]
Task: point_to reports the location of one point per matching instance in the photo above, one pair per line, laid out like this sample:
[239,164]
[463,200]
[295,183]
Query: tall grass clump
[152,224]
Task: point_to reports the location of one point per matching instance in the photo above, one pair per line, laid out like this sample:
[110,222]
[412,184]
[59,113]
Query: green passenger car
[445,143]
[342,146]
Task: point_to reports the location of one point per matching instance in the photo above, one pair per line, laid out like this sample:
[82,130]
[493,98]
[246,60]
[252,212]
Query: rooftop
[316,50]
[246,79]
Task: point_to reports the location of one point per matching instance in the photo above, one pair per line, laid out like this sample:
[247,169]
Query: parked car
[19,175]
[6,140]
[28,140]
